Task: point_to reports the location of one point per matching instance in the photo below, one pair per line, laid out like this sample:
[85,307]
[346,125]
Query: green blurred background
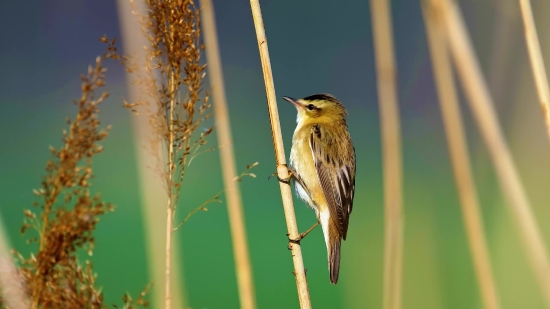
[315,46]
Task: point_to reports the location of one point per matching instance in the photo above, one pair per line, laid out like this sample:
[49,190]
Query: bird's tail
[333,248]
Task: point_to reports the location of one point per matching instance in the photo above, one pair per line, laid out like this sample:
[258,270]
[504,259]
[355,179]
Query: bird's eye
[310,107]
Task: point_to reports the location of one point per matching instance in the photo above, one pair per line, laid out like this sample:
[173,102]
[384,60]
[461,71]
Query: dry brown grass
[175,104]
[174,101]
[150,188]
[54,277]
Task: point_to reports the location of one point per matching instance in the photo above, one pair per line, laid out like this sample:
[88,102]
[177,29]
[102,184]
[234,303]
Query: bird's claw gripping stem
[284,180]
[301,235]
[291,174]
[293,241]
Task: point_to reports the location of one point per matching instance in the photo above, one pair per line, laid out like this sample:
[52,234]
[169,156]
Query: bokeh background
[315,46]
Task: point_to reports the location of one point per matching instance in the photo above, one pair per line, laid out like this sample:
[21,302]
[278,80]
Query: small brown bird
[322,161]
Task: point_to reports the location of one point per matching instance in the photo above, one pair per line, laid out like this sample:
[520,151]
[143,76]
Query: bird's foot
[300,236]
[291,173]
[294,241]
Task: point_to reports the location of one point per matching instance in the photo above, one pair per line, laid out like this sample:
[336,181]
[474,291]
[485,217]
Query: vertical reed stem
[458,150]
[167,278]
[221,117]
[169,186]
[12,287]
[282,170]
[391,151]
[537,63]
[482,107]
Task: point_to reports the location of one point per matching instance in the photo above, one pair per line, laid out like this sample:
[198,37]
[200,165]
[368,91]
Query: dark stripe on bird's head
[321,97]
[324,97]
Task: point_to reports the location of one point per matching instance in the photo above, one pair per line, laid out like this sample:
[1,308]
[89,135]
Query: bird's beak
[294,102]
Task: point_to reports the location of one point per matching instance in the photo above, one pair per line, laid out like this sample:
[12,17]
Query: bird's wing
[335,166]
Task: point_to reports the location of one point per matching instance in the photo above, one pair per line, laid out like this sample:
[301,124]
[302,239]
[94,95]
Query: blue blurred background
[315,46]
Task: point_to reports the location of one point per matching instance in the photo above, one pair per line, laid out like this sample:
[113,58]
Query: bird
[322,165]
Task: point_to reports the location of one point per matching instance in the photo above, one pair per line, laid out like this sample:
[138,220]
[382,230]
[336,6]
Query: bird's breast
[301,160]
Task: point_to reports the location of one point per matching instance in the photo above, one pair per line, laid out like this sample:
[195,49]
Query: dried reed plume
[482,107]
[221,115]
[391,150]
[282,170]
[175,102]
[150,188]
[458,150]
[54,278]
[537,63]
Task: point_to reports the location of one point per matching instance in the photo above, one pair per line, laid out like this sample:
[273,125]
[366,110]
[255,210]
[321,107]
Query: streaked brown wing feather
[336,173]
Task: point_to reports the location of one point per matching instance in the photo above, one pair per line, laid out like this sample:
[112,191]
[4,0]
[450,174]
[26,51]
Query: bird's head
[318,108]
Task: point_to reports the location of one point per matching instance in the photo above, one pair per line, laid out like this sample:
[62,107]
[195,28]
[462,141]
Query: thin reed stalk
[391,151]
[503,41]
[537,63]
[168,254]
[282,170]
[151,189]
[482,107]
[11,282]
[458,150]
[221,117]
[4,241]
[170,209]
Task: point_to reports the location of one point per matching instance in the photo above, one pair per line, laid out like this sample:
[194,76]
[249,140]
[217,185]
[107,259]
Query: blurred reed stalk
[458,150]
[282,170]
[537,63]
[4,241]
[391,151]
[503,41]
[221,117]
[151,189]
[11,283]
[481,104]
[171,203]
